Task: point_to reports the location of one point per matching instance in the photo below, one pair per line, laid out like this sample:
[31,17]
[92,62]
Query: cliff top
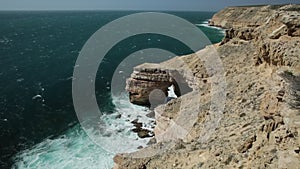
[260,124]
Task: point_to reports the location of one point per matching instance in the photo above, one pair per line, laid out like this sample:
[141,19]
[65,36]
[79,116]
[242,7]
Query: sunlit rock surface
[260,125]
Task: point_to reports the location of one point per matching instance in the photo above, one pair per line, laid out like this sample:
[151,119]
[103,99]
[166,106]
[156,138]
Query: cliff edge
[260,124]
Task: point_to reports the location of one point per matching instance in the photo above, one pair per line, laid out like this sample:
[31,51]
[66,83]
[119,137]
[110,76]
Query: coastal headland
[260,123]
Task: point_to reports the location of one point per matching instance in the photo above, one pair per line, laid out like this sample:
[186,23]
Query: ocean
[38,51]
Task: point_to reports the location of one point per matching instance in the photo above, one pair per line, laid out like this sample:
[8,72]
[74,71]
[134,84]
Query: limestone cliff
[260,124]
[147,78]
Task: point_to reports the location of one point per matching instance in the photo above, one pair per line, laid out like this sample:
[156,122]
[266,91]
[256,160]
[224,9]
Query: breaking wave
[75,149]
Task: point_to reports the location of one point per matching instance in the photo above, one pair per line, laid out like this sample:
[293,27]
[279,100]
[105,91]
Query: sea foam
[206,24]
[77,149]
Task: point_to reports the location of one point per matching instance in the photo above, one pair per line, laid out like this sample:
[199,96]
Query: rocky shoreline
[260,124]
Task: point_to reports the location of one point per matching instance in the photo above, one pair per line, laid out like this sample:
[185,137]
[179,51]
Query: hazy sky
[196,5]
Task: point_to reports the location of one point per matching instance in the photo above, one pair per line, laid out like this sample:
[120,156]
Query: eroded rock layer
[149,83]
[144,80]
[260,125]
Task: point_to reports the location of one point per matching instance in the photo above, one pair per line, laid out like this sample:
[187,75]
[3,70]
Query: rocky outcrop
[272,27]
[255,16]
[292,78]
[149,83]
[144,79]
[260,123]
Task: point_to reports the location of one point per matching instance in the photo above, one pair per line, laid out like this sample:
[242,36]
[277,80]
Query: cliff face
[145,79]
[274,29]
[260,125]
[149,80]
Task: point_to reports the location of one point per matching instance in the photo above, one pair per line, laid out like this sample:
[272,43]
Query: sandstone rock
[293,87]
[282,30]
[144,80]
[143,133]
[152,141]
[150,82]
[260,124]
[247,145]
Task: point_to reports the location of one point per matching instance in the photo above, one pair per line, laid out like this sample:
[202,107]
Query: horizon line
[144,10]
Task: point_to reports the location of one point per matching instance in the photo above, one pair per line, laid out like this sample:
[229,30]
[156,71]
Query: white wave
[130,111]
[5,40]
[72,150]
[205,24]
[171,92]
[76,149]
[37,97]
[119,129]
[20,79]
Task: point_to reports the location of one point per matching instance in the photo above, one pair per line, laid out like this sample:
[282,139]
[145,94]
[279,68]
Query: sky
[174,5]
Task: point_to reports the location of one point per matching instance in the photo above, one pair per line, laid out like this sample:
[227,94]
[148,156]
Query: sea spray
[75,149]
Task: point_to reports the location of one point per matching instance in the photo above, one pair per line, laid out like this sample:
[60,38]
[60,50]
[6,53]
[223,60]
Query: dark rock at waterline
[118,116]
[137,124]
[144,133]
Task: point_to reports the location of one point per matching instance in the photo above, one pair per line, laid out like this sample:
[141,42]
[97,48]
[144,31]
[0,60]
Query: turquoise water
[71,150]
[38,50]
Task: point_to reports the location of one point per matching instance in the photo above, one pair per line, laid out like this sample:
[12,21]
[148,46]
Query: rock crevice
[260,124]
